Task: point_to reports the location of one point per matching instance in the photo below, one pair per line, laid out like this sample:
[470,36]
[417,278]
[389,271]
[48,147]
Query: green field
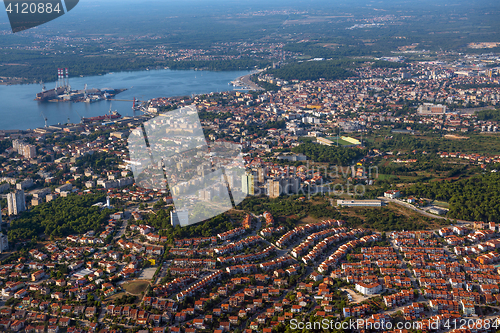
[443,204]
[341,142]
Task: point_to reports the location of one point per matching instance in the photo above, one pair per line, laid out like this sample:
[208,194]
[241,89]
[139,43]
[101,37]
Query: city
[345,179]
[258,272]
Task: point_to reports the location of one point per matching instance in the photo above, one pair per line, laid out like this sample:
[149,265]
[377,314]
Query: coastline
[21,81]
[23,113]
[245,80]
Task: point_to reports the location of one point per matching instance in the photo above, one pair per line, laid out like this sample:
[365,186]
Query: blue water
[19,110]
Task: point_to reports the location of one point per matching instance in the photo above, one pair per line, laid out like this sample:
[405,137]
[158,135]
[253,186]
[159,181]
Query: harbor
[20,112]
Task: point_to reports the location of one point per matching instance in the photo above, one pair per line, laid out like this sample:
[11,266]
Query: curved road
[421,211]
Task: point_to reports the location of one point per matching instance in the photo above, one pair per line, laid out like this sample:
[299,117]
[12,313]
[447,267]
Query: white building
[369,288]
[64,188]
[16,202]
[24,184]
[248,183]
[180,217]
[359,203]
[392,194]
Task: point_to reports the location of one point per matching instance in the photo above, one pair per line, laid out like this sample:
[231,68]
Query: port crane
[81,118]
[44,118]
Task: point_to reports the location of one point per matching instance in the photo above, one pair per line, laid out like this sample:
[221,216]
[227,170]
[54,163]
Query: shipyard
[63,92]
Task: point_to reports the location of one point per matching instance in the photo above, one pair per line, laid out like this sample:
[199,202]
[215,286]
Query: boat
[109,116]
[112,115]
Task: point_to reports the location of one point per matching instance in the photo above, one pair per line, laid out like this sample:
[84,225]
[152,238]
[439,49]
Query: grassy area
[110,299]
[135,287]
[309,219]
[390,217]
[386,177]
[443,204]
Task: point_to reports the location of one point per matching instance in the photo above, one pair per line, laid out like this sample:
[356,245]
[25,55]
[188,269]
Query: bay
[19,110]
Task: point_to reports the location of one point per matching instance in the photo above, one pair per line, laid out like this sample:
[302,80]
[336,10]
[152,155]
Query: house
[315,276]
[467,308]
[64,322]
[53,329]
[38,275]
[225,326]
[17,325]
[90,311]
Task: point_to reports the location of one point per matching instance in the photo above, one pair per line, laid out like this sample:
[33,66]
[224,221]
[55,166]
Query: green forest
[42,68]
[488,115]
[333,155]
[289,206]
[60,217]
[161,220]
[474,199]
[433,143]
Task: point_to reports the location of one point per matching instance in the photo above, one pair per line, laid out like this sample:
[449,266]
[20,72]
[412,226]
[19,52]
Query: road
[421,211]
[127,215]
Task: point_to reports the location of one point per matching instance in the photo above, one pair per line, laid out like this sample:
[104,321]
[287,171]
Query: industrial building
[429,109]
[359,203]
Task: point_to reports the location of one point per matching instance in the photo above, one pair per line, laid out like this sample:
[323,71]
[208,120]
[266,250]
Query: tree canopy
[473,199]
[60,217]
[334,155]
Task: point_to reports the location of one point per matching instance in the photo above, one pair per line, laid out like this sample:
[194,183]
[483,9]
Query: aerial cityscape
[330,166]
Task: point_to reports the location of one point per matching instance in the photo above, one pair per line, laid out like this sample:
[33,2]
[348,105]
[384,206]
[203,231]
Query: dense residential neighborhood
[85,248]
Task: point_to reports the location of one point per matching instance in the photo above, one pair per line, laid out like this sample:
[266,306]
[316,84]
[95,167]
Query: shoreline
[245,79]
[75,111]
[131,71]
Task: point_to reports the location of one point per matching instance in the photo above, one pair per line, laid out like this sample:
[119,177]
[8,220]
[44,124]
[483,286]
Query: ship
[106,117]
